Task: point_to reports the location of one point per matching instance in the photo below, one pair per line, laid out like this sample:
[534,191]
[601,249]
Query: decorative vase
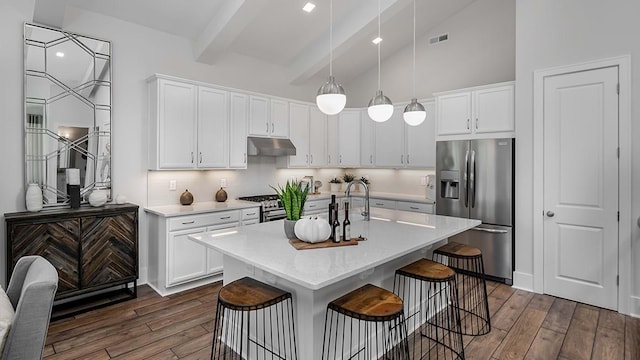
[335,187]
[186,198]
[33,198]
[97,198]
[289,228]
[221,195]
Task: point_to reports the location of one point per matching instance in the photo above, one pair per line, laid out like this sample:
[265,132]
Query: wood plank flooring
[525,326]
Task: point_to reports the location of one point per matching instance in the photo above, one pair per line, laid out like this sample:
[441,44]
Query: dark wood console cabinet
[92,248]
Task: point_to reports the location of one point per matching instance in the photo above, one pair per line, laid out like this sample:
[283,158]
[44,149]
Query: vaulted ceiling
[274,31]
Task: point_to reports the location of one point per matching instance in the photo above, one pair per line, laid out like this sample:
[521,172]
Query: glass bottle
[336,229]
[346,224]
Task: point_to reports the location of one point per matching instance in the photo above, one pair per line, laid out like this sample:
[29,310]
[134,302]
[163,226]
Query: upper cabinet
[308,133]
[349,138]
[189,126]
[479,112]
[367,140]
[299,134]
[390,140]
[317,137]
[268,117]
[238,123]
[420,141]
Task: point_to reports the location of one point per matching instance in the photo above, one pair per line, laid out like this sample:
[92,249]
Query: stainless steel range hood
[270,146]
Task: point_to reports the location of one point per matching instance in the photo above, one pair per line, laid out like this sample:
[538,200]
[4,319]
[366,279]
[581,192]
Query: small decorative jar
[221,195]
[186,198]
[33,198]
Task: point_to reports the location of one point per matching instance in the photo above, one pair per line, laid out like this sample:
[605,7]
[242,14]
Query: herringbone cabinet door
[109,250]
[54,241]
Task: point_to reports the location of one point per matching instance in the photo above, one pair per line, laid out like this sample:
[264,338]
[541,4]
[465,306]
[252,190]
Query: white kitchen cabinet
[238,122]
[212,129]
[279,118]
[186,259]
[259,121]
[478,112]
[332,141]
[390,150]
[415,207]
[317,137]
[367,140]
[189,125]
[349,138]
[382,203]
[420,141]
[314,207]
[172,122]
[299,134]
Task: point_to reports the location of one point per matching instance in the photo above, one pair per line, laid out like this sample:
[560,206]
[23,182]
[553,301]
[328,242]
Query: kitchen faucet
[366,212]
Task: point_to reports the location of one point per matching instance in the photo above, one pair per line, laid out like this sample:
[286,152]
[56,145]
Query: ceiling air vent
[438,39]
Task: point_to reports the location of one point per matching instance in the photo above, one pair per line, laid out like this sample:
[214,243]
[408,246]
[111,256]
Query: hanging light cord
[379,45]
[414,49]
[331,38]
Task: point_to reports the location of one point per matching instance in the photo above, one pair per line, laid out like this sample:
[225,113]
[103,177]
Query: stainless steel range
[270,207]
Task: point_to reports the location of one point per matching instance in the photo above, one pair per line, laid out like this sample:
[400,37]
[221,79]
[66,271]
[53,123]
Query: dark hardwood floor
[525,326]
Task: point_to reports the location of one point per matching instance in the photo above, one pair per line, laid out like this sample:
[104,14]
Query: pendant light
[380,107]
[414,114]
[331,98]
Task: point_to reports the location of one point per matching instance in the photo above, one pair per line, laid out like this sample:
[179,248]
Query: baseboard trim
[523,281]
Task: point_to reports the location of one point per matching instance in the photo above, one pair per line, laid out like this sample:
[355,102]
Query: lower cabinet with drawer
[415,207]
[177,263]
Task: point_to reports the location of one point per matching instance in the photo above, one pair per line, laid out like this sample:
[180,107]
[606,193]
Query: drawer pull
[249,214]
[188,222]
[312,206]
[379,204]
[414,207]
[225,217]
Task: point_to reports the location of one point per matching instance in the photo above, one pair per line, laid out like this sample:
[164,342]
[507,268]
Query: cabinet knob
[550,213]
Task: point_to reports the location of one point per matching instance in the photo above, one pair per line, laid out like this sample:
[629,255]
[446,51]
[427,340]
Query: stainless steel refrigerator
[475,179]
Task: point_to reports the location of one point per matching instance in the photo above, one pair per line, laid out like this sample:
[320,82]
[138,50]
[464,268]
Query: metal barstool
[472,295]
[367,323]
[430,295]
[253,320]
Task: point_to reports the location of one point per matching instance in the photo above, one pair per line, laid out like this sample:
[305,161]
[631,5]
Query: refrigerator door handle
[493,231]
[465,180]
[472,179]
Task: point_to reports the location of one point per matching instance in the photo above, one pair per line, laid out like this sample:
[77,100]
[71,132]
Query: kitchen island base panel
[310,329]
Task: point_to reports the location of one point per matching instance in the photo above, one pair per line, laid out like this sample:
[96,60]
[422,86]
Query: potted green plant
[365,180]
[335,184]
[292,196]
[348,177]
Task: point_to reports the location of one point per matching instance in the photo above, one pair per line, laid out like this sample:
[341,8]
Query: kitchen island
[317,276]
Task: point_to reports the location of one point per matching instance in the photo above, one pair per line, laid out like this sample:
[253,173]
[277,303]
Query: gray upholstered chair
[31,291]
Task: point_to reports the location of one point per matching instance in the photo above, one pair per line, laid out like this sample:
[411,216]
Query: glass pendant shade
[380,107]
[414,114]
[331,98]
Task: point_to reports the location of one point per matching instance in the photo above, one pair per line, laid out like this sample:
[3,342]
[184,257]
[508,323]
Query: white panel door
[390,140]
[421,140]
[259,123]
[454,114]
[581,186]
[238,116]
[367,140]
[186,259]
[299,134]
[279,118]
[493,110]
[213,128]
[317,137]
[177,113]
[332,140]
[349,138]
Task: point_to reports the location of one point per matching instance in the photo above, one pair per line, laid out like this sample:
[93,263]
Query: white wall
[481,50]
[552,33]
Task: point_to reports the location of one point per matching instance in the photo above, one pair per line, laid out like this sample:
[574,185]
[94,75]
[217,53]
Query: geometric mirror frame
[67,112]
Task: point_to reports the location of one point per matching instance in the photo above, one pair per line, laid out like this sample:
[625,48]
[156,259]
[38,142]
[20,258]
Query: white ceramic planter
[335,187]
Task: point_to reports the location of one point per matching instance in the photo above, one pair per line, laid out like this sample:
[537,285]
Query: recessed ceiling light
[60,54]
[308,7]
[377,40]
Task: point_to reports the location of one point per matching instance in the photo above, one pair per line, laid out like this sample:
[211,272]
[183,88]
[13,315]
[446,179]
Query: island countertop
[390,235]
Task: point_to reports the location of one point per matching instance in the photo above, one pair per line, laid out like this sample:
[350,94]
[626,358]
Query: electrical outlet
[172,185]
[223,183]
[423,180]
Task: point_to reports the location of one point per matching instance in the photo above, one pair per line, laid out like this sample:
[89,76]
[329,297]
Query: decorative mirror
[67,102]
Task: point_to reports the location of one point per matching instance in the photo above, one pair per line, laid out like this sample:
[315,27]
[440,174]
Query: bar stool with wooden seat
[253,320]
[367,323]
[430,295]
[467,262]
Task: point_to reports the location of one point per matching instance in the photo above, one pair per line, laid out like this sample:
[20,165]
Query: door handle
[472,179]
[401,159]
[493,231]
[267,127]
[201,157]
[192,157]
[476,123]
[371,162]
[245,158]
[467,124]
[307,158]
[273,128]
[312,158]
[465,181]
[550,213]
[407,158]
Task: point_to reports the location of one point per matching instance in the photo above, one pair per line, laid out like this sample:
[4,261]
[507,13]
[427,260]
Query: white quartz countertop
[376,195]
[200,207]
[390,234]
